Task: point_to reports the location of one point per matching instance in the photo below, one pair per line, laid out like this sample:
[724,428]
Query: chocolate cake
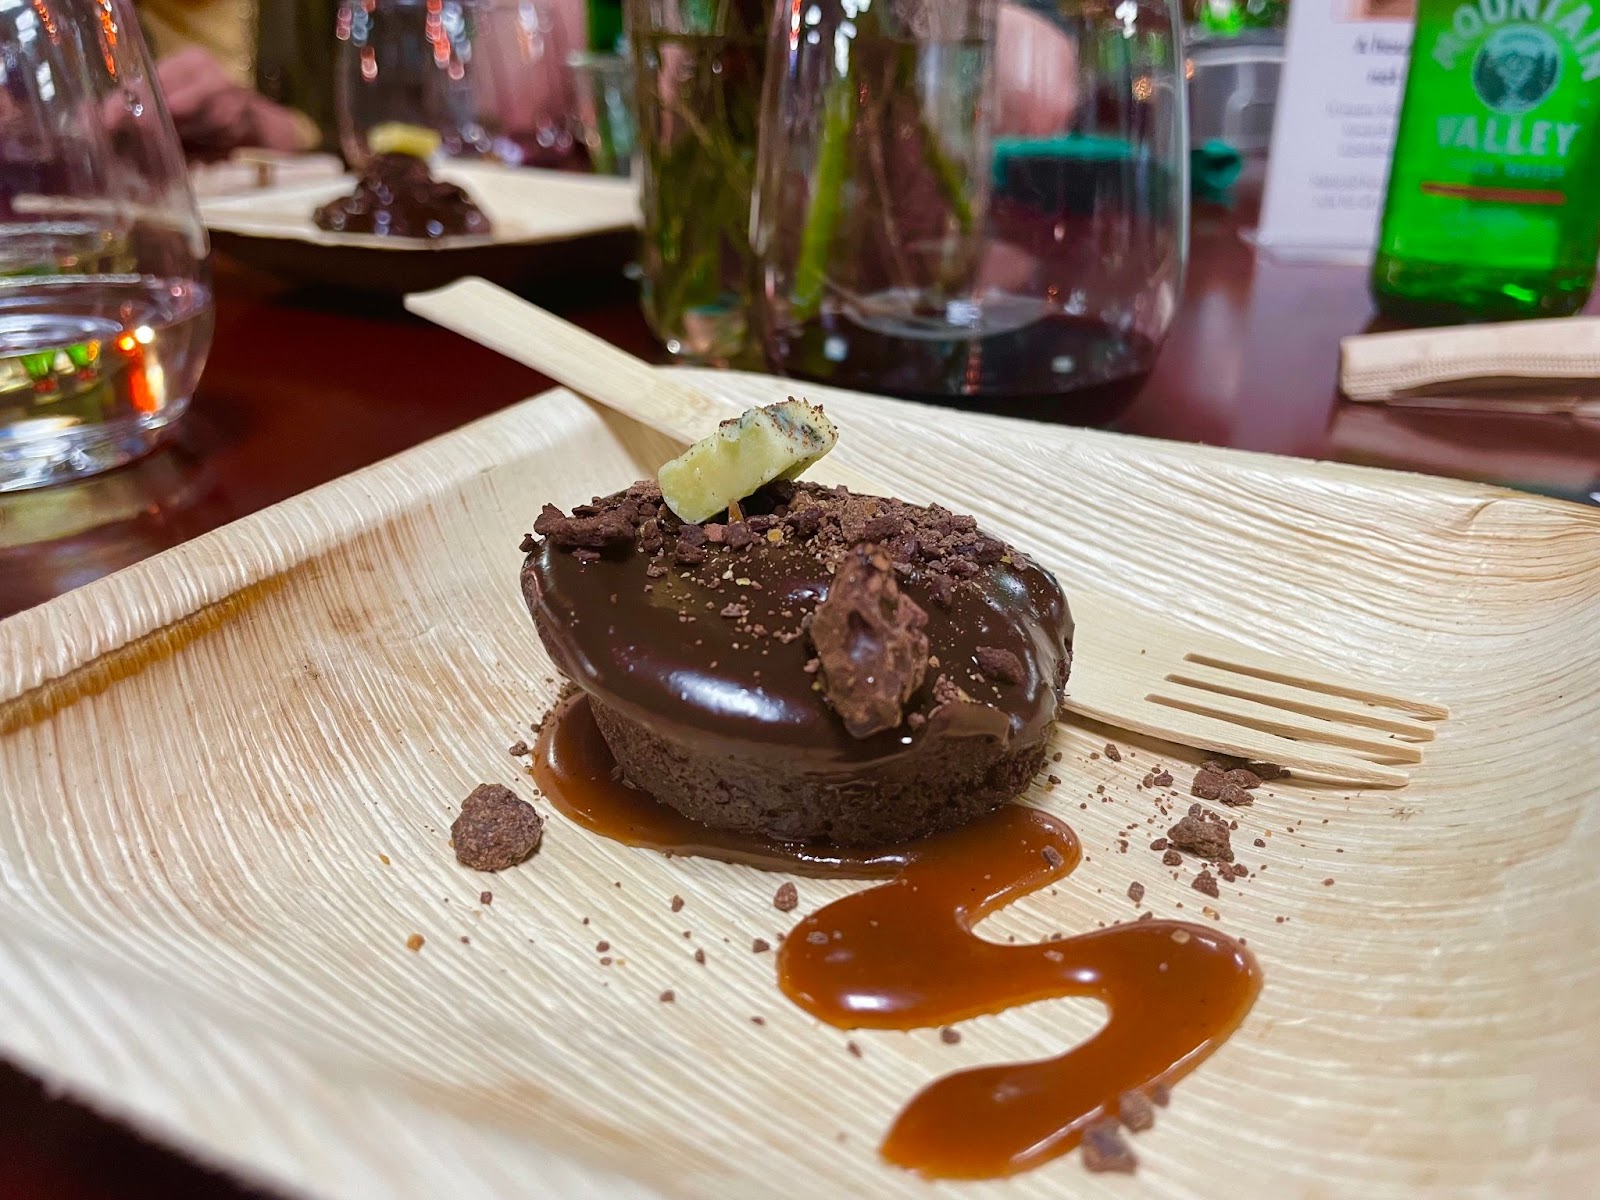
[396,196]
[815,666]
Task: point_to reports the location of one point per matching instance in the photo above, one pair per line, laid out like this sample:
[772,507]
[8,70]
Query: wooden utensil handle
[573,357]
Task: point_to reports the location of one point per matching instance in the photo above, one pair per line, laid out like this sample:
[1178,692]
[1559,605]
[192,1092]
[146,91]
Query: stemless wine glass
[408,62]
[488,78]
[105,298]
[956,199]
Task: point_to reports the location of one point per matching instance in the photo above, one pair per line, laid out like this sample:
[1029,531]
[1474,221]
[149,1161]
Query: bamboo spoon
[1129,670]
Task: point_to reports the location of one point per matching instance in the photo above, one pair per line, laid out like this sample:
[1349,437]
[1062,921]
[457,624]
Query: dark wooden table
[303,387]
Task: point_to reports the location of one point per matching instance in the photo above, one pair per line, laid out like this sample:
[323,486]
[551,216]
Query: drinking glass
[105,298]
[408,62]
[957,199]
[489,78]
[698,68]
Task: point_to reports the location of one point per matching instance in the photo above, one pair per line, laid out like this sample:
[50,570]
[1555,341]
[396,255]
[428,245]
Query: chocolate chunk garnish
[786,898]
[1208,784]
[869,639]
[1163,779]
[1205,882]
[1113,753]
[1244,778]
[949,1036]
[1052,858]
[495,829]
[1136,891]
[1105,1149]
[760,946]
[1171,858]
[999,666]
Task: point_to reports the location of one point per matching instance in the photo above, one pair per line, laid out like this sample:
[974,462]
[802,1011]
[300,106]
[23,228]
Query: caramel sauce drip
[573,767]
[903,955]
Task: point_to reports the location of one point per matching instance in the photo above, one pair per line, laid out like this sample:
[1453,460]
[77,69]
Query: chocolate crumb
[495,829]
[414,942]
[677,904]
[601,947]
[1234,796]
[1136,891]
[605,960]
[518,748]
[786,898]
[1163,779]
[817,938]
[1054,780]
[1206,883]
[667,997]
[999,666]
[1243,777]
[1260,843]
[949,1036]
[1203,834]
[853,1048]
[1171,858]
[760,946]
[700,957]
[758,1020]
[1327,883]
[1159,844]
[1160,1095]
[1135,1111]
[1113,753]
[1208,784]
[1105,1149]
[1052,857]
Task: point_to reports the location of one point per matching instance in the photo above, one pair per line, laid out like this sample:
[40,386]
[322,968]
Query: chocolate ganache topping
[833,630]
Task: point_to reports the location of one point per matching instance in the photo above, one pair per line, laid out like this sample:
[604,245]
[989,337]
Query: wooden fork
[1129,669]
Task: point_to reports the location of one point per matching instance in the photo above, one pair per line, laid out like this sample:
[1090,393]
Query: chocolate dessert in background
[823,666]
[397,196]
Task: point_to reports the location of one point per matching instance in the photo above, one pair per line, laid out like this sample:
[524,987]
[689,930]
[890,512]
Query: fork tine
[1277,673]
[1226,737]
[1284,724]
[1298,699]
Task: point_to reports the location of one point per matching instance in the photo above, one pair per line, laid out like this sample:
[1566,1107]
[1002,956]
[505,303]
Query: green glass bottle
[1494,196]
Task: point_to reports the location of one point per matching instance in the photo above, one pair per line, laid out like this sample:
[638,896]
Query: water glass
[105,298]
[958,199]
[487,78]
[407,62]
[698,68]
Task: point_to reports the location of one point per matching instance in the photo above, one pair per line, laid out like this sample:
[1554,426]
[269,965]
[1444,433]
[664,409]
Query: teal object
[1020,162]
[1213,170]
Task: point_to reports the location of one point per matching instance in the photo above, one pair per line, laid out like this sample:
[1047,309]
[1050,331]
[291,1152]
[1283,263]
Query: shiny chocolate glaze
[658,650]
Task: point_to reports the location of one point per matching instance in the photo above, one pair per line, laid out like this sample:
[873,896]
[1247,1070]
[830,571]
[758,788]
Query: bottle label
[1508,87]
